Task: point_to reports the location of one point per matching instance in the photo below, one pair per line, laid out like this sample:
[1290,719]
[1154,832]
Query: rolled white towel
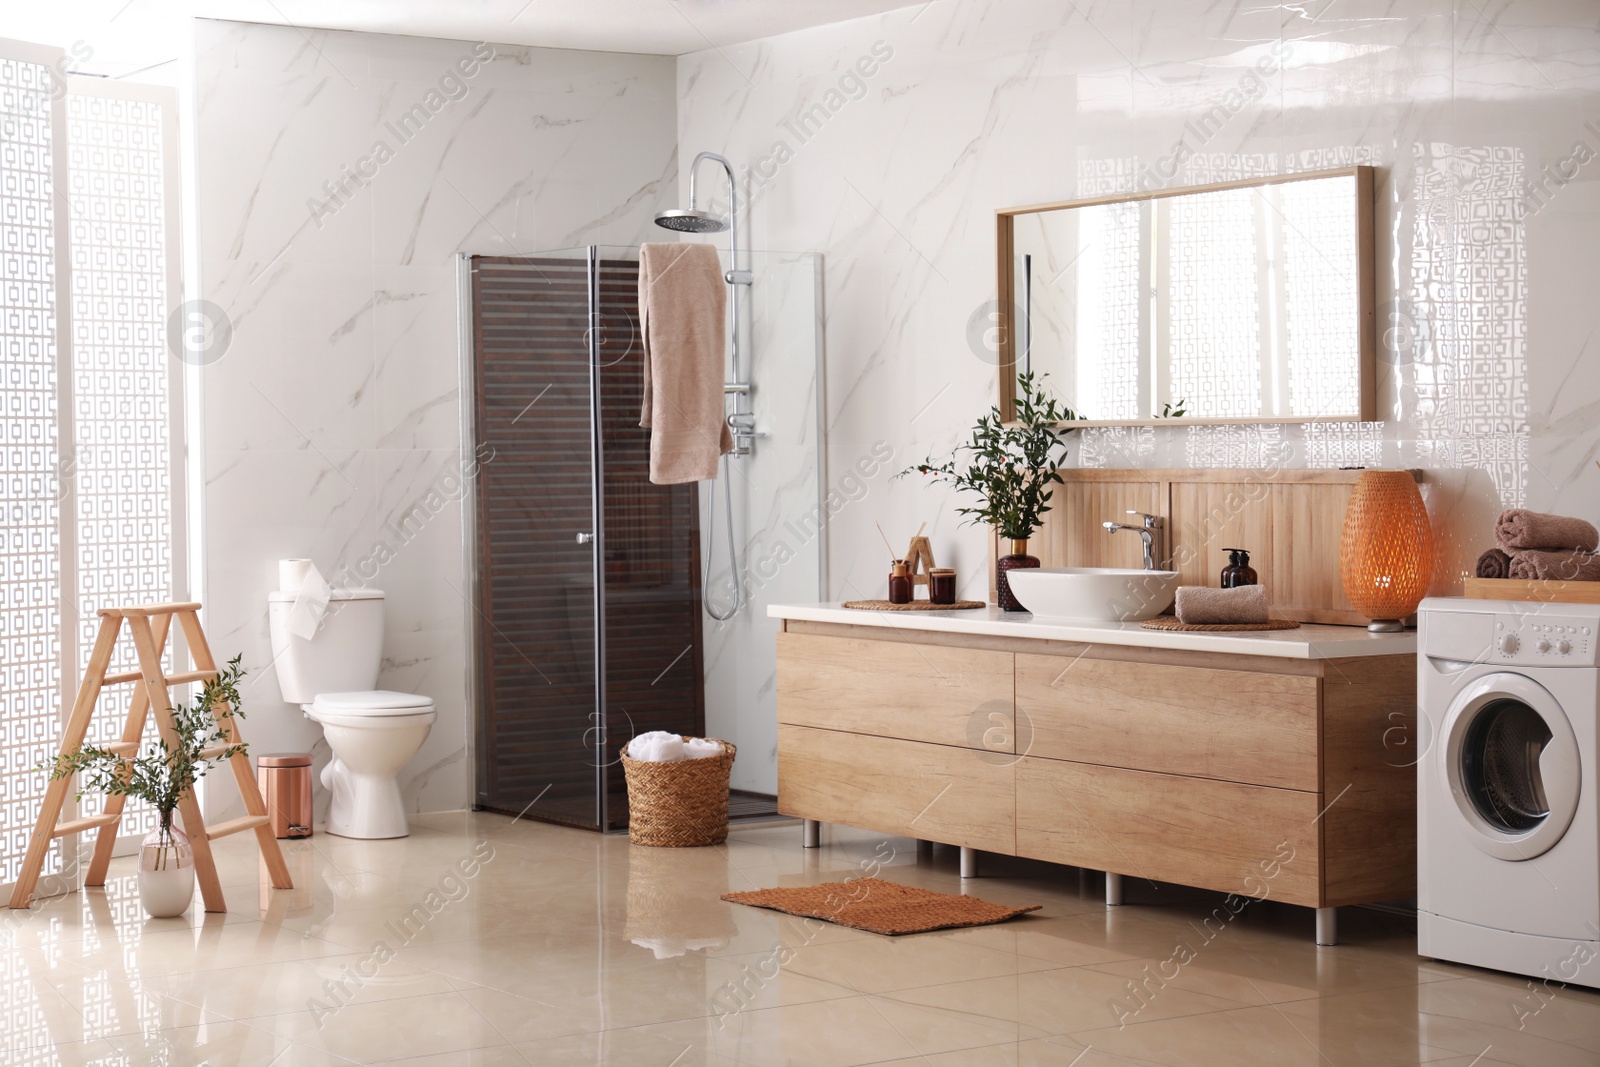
[701,748]
[657,746]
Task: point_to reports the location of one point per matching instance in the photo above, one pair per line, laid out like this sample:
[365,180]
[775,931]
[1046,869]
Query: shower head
[690,221]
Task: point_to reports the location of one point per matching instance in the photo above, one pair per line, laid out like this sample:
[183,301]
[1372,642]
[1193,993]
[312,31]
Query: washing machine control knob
[1543,645]
[1563,646]
[1509,643]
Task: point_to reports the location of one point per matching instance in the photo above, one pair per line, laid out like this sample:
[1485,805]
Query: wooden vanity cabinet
[891,736]
[1245,774]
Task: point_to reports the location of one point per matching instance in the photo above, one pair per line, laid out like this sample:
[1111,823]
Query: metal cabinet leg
[811,830]
[969,862]
[1113,889]
[1327,926]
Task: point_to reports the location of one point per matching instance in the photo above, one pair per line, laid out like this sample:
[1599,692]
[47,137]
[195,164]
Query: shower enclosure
[594,614]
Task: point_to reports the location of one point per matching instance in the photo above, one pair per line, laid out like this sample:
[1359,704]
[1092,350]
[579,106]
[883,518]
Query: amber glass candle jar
[942,585]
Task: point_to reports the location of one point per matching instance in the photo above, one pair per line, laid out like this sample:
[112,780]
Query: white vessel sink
[1094,594]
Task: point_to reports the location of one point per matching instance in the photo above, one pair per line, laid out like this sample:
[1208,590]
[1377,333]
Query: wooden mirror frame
[1366,294]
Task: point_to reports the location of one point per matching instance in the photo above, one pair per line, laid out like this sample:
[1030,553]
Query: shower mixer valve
[743,426]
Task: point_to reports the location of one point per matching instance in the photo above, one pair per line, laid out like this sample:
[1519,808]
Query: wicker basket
[679,804]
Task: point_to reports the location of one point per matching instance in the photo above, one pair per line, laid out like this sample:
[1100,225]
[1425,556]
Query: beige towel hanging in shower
[683,305]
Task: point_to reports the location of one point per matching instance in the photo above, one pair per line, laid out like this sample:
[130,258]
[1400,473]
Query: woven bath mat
[880,907]
[1170,622]
[915,605]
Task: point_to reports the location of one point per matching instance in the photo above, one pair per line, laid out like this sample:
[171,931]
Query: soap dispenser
[1238,571]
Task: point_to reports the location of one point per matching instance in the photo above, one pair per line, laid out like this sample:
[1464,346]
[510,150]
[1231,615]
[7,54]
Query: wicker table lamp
[1386,552]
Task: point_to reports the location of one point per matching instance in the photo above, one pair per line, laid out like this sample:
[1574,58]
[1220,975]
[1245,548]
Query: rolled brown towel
[1519,530]
[1201,605]
[1495,563]
[1556,566]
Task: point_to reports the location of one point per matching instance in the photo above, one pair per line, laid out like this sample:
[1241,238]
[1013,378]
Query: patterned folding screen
[121,223]
[31,593]
[1210,304]
[87,415]
[1108,324]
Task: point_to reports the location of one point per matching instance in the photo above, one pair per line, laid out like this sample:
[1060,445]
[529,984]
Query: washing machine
[1508,835]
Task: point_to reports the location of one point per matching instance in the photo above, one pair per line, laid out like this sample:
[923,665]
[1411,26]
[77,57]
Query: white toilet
[373,732]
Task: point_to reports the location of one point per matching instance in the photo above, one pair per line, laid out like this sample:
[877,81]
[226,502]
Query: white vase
[166,873]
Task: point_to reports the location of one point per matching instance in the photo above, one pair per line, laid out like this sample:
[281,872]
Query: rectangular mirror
[1239,302]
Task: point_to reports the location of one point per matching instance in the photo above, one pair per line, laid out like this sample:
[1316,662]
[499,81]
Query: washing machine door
[1512,763]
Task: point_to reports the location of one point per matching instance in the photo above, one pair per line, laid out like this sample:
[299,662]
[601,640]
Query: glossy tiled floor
[558,948]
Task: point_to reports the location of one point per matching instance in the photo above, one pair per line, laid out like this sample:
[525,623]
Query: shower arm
[733,212]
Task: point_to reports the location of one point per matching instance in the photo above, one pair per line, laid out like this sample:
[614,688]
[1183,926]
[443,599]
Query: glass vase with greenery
[1009,469]
[166,772]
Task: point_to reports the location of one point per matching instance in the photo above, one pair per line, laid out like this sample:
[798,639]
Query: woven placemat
[1170,622]
[880,907]
[915,605]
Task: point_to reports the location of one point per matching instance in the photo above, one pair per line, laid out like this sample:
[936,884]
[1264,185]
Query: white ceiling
[128,34]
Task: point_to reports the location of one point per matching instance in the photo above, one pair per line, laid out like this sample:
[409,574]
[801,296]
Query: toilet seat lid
[373,702]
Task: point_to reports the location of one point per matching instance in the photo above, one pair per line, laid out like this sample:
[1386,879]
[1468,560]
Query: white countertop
[1310,641]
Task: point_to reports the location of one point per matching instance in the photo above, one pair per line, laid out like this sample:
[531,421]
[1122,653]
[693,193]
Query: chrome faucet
[1152,525]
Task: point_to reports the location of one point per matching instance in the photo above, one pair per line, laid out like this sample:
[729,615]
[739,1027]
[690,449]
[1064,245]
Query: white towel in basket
[657,746]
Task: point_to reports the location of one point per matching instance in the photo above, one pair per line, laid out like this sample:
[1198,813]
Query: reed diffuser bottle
[900,584]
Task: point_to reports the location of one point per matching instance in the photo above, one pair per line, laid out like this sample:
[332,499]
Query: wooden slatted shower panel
[535,587]
[538,720]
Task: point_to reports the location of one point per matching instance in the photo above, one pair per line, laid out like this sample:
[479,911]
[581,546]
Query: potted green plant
[162,777]
[1010,469]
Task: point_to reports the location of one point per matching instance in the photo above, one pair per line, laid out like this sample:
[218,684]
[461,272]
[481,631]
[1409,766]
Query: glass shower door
[539,730]
[780,516]
[650,629]
[587,572]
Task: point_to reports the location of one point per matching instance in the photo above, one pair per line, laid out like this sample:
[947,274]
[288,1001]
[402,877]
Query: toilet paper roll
[292,574]
[310,603]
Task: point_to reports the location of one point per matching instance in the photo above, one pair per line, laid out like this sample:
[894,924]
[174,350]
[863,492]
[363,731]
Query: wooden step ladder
[149,625]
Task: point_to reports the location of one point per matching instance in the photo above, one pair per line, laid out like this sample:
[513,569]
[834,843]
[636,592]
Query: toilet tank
[341,657]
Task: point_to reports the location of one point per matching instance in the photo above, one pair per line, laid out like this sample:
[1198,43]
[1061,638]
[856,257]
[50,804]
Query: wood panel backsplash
[1288,520]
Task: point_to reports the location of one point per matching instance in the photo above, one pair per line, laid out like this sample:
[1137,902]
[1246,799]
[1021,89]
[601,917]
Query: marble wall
[887,142]
[339,174]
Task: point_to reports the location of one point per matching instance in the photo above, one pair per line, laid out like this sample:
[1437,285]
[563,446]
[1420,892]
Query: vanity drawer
[934,792]
[947,696]
[1238,726]
[1225,836]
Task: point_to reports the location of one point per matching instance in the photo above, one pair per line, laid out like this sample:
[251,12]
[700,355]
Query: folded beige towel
[1556,566]
[1495,563]
[683,304]
[1520,529]
[1202,605]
